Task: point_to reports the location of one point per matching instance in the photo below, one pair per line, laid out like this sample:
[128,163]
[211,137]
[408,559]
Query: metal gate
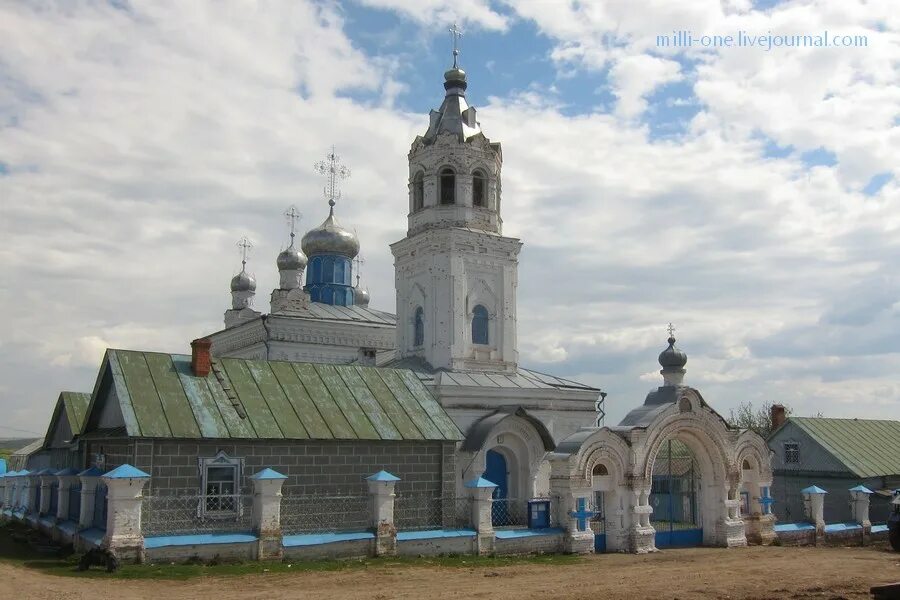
[673,496]
[598,521]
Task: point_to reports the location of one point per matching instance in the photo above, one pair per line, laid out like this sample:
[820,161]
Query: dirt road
[756,573]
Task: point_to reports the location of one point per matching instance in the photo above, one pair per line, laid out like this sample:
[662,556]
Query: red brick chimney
[200,360]
[778,416]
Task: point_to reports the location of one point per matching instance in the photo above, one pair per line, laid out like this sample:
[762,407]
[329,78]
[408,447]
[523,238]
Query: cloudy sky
[750,196]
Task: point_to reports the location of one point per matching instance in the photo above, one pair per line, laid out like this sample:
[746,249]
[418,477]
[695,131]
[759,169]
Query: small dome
[360,296]
[291,259]
[672,357]
[330,238]
[243,282]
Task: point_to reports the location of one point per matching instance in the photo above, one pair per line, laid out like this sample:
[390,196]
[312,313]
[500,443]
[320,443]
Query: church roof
[72,405]
[317,310]
[521,379]
[157,395]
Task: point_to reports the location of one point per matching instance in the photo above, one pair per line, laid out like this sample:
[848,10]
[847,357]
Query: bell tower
[456,275]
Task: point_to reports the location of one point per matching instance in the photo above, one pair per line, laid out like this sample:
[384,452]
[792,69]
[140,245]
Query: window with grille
[418,192]
[792,452]
[479,189]
[221,478]
[480,325]
[419,327]
[448,186]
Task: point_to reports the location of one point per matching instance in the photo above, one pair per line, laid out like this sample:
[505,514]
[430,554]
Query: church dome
[291,259]
[360,296]
[243,282]
[330,238]
[672,357]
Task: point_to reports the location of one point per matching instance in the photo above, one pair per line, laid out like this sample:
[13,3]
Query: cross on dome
[245,245]
[293,217]
[334,171]
[455,34]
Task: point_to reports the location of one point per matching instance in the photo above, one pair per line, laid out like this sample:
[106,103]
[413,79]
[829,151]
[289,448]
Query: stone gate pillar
[381,489]
[642,535]
[267,486]
[482,492]
[125,486]
[735,534]
[573,513]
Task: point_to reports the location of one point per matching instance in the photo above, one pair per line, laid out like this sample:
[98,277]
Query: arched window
[600,470]
[480,325]
[448,186]
[339,275]
[419,327]
[479,189]
[418,192]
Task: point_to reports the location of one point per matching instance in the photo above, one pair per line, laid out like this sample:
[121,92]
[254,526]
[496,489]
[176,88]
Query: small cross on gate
[671,329]
[582,514]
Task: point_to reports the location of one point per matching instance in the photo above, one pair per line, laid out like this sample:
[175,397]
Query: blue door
[674,497]
[496,472]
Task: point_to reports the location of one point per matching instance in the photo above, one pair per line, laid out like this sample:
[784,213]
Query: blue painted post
[267,486]
[859,505]
[814,503]
[381,489]
[482,492]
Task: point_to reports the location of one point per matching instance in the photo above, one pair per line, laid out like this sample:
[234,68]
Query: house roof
[74,405]
[867,447]
[159,396]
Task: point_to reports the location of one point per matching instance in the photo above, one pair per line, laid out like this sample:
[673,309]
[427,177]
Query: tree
[745,416]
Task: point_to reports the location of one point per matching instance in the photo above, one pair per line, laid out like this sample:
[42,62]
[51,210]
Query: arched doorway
[601,490]
[675,495]
[507,510]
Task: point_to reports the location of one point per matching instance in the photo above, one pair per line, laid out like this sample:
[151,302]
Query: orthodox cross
[359,260]
[293,216]
[671,329]
[334,171]
[245,245]
[583,514]
[455,33]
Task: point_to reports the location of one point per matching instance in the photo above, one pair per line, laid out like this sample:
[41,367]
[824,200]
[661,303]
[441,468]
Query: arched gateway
[672,473]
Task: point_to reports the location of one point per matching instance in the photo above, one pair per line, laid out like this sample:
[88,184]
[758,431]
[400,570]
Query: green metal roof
[75,405]
[869,448]
[159,396]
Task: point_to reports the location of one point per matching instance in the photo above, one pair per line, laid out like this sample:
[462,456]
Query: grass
[21,554]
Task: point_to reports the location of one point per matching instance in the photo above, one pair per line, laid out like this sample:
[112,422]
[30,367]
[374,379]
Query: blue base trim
[94,535]
[599,542]
[315,539]
[510,534]
[432,534]
[679,538]
[879,528]
[833,527]
[69,527]
[163,541]
[7,513]
[794,527]
[47,521]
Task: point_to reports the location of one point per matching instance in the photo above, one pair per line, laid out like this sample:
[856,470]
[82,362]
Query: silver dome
[291,259]
[672,357]
[330,238]
[360,296]
[243,282]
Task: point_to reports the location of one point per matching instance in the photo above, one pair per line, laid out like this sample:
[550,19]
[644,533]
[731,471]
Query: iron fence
[101,505]
[324,514]
[429,511]
[198,513]
[74,502]
[509,512]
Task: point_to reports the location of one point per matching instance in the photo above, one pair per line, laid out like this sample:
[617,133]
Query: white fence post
[124,495]
[814,504]
[859,505]
[89,480]
[267,513]
[381,489]
[482,492]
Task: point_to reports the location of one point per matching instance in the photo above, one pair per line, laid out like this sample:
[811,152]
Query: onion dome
[243,282]
[672,358]
[291,259]
[330,238]
[360,296]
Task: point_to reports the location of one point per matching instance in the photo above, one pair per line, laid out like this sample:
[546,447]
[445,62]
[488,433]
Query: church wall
[311,466]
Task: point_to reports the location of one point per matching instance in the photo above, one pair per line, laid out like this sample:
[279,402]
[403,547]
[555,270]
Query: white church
[531,434]
[325,393]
